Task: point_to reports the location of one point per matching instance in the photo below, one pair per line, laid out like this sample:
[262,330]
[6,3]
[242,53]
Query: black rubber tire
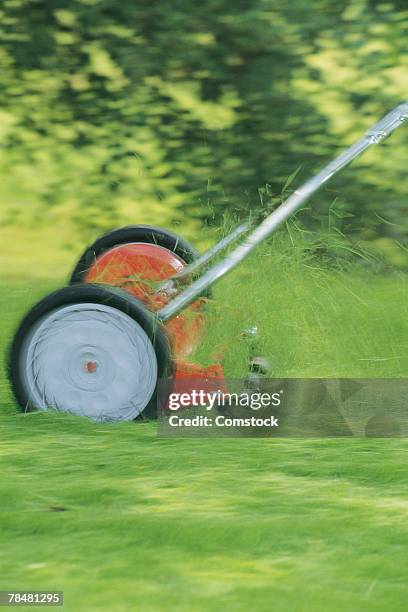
[128,234]
[92,293]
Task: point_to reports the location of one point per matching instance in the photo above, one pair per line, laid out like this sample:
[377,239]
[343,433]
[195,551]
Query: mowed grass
[122,520]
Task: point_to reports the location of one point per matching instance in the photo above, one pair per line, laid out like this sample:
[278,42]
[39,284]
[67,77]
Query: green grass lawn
[122,520]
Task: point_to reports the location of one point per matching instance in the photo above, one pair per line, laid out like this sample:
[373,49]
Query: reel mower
[134,311]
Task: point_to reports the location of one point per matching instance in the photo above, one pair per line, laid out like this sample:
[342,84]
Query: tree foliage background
[177,111]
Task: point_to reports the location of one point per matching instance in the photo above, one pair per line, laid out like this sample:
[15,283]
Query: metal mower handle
[374,135]
[388,124]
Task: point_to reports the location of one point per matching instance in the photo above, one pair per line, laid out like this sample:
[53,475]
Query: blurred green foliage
[174,112]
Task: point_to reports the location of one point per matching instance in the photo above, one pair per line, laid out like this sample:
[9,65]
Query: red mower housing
[139,268]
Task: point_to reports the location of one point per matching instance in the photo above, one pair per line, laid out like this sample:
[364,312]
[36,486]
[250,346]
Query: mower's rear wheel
[91,351]
[146,234]
[138,258]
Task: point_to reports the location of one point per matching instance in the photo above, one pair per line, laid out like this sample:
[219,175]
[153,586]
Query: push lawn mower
[134,311]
